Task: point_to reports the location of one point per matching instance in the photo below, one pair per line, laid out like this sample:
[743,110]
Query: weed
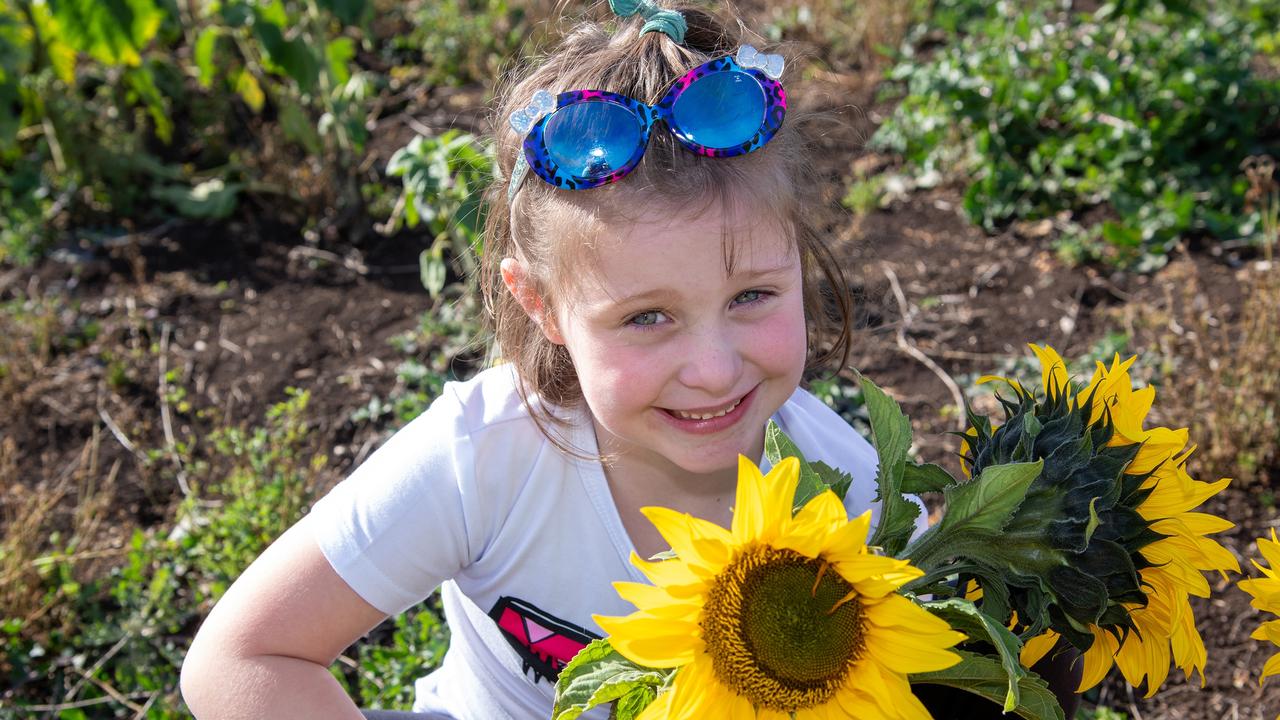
[1135,119]
[1223,374]
[1262,199]
[76,635]
[845,34]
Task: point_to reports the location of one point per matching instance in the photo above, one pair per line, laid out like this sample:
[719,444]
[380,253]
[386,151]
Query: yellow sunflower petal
[666,573]
[1053,370]
[1271,668]
[779,493]
[1270,550]
[703,546]
[850,540]
[696,693]
[823,511]
[1037,647]
[1098,659]
[874,575]
[866,695]
[658,601]
[654,641]
[748,511]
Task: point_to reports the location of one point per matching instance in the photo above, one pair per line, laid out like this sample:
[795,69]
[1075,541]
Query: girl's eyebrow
[662,293]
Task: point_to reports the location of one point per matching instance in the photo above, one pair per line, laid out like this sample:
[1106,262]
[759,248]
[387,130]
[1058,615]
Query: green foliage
[388,669]
[443,179]
[778,446]
[984,676]
[1143,114]
[964,616]
[466,41]
[598,674]
[107,105]
[132,625]
[891,435]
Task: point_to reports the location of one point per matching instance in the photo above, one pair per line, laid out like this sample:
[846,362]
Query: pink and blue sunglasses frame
[763,68]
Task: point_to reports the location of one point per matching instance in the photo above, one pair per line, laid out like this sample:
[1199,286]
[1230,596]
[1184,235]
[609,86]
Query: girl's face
[680,360]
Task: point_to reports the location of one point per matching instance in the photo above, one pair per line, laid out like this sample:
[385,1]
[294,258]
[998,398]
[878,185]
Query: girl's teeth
[694,416]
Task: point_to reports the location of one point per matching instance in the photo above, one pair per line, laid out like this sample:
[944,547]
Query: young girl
[652,288]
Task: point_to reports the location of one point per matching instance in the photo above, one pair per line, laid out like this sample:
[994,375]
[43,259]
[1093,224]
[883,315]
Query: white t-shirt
[523,540]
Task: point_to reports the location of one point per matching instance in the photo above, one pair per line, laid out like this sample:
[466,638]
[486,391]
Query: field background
[235,237]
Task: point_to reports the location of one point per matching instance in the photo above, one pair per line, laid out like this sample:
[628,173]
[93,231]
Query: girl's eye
[750,296]
[646,319]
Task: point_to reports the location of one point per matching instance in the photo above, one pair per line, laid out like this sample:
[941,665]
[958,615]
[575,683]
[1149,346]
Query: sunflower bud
[1104,548]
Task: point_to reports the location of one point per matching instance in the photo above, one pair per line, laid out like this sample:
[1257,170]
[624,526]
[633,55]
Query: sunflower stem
[930,549]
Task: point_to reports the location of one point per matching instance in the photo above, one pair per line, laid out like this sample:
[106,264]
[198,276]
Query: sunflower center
[780,630]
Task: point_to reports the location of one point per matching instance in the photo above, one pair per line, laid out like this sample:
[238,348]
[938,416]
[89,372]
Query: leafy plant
[1136,116]
[465,42]
[125,631]
[107,106]
[443,180]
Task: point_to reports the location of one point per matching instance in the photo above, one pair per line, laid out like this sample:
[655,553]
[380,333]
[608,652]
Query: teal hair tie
[668,22]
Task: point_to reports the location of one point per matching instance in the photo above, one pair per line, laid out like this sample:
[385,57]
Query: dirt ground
[244,310]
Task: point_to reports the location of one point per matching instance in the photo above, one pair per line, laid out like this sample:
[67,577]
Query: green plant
[116,640]
[1263,199]
[415,646]
[447,339]
[465,42]
[443,180]
[107,107]
[1137,115]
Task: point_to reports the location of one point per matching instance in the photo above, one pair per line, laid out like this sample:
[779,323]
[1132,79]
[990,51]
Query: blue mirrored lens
[592,139]
[720,110]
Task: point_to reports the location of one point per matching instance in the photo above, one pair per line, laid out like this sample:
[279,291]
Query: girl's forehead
[622,256]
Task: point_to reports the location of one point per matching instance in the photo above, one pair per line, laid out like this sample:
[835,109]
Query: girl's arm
[265,649]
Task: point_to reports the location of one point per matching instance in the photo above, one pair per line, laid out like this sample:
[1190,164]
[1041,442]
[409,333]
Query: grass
[98,626]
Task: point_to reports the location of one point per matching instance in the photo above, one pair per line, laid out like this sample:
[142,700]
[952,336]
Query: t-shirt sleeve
[397,527]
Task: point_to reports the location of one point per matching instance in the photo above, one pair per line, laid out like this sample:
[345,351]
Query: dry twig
[909,348]
[165,417]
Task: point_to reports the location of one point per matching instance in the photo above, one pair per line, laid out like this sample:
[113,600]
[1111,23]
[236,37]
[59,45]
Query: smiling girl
[652,273]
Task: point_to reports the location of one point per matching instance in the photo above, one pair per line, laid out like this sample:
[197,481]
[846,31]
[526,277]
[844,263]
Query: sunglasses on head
[583,139]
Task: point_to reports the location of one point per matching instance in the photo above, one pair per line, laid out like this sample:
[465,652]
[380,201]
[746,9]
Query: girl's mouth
[711,419]
[683,415]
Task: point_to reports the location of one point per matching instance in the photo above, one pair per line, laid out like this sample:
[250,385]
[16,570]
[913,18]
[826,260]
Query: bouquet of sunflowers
[1073,524]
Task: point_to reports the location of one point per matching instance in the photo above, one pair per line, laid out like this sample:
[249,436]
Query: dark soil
[245,310]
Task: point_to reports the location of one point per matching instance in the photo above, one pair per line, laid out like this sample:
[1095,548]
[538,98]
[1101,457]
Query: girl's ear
[521,286]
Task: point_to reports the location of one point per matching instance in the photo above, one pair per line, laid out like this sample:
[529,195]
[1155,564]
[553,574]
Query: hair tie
[668,22]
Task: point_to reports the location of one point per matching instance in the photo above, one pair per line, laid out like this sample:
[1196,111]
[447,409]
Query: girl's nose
[712,363]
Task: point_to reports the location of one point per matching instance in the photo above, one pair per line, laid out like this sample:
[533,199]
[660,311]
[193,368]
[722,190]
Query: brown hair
[778,178]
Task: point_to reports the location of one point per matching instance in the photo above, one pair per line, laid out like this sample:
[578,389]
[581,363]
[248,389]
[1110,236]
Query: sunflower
[1170,554]
[779,616]
[1266,597]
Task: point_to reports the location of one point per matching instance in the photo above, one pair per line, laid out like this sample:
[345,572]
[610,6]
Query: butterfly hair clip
[525,118]
[771,65]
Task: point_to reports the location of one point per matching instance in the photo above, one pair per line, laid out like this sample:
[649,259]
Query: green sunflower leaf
[891,435]
[598,674]
[834,478]
[777,445]
[964,616]
[984,676]
[987,502]
[925,478]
